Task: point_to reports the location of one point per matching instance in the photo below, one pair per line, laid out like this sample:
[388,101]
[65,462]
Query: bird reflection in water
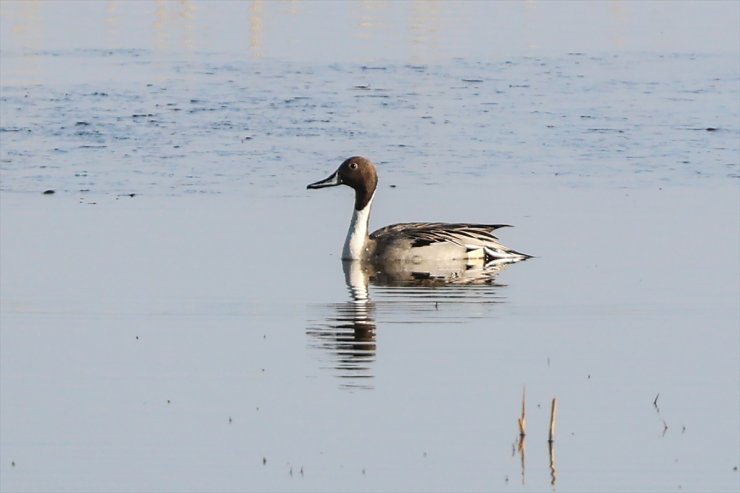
[348,333]
[408,293]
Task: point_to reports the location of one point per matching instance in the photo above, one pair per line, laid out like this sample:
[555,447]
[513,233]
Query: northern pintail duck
[409,242]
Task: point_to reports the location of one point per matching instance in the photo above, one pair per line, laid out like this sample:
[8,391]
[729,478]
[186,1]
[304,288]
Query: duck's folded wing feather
[421,234]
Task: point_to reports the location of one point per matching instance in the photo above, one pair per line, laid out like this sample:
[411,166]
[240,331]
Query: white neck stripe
[354,245]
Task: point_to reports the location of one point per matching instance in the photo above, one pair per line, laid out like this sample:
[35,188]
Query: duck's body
[409,242]
[439,241]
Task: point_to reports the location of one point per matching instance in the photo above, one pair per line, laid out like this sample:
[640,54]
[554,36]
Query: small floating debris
[49,192]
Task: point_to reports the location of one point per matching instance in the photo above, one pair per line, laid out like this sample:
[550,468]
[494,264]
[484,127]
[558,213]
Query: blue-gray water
[175,316]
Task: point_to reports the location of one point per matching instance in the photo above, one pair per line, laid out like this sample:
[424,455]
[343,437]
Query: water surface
[175,316]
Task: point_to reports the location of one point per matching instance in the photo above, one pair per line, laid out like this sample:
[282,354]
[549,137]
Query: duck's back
[428,241]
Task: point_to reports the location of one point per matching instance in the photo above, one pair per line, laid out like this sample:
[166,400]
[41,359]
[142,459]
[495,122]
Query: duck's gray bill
[332,181]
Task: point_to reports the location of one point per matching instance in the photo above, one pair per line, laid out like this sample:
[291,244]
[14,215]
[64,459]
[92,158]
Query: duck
[410,242]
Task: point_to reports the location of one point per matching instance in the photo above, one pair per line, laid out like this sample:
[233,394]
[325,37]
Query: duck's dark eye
[353,165]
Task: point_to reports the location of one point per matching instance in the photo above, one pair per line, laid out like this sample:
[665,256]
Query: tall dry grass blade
[553,418]
[523,419]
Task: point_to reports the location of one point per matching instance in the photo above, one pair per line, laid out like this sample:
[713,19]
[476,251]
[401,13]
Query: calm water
[175,317]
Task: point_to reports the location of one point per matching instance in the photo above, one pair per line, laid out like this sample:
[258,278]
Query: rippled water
[218,127]
[175,316]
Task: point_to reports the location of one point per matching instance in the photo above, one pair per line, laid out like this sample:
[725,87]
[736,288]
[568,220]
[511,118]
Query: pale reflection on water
[339,31]
[406,294]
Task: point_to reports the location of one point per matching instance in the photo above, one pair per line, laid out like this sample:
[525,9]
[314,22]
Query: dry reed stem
[523,419]
[553,417]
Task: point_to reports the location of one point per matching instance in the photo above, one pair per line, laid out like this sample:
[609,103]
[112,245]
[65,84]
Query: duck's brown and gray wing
[469,236]
[422,234]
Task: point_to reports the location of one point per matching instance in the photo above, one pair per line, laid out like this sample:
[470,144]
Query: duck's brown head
[356,172]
